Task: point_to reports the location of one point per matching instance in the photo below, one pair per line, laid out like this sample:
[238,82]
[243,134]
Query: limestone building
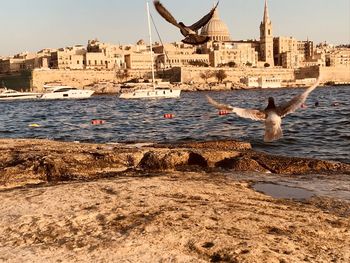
[286,52]
[339,58]
[69,58]
[233,54]
[177,55]
[216,29]
[306,48]
[222,50]
[266,38]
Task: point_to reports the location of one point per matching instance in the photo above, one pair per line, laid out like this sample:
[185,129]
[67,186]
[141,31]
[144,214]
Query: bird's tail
[273,130]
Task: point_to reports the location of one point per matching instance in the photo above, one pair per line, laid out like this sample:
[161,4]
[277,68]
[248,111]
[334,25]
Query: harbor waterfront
[315,132]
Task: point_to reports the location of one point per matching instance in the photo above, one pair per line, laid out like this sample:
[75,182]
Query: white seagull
[189,32]
[272,114]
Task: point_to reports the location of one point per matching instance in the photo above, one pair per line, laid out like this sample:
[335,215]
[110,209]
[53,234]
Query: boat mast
[150,44]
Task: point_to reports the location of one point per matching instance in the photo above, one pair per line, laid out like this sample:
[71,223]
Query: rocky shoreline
[190,202]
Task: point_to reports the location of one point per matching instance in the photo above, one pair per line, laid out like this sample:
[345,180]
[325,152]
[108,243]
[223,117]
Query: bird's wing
[297,101]
[219,105]
[165,13]
[256,115]
[204,20]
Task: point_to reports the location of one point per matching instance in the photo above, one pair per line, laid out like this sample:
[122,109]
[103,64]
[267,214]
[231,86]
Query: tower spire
[266,13]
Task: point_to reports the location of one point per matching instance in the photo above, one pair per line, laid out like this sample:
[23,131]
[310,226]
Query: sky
[31,25]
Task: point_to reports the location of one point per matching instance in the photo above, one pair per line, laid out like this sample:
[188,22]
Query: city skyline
[31,26]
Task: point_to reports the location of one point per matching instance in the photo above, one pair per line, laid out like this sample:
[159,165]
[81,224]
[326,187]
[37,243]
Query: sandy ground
[172,217]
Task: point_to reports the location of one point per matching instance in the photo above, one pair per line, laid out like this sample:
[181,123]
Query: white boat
[145,91]
[65,92]
[10,94]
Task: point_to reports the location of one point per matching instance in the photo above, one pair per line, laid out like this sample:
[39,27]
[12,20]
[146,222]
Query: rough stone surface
[175,217]
[293,165]
[43,160]
[243,164]
[152,203]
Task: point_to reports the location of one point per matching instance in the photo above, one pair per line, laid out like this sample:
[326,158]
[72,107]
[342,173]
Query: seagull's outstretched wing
[165,13]
[204,20]
[255,115]
[297,101]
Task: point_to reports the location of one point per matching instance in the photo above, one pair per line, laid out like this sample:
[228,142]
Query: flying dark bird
[190,32]
[272,114]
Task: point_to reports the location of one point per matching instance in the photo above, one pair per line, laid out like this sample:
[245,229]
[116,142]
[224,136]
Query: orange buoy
[223,112]
[168,116]
[98,122]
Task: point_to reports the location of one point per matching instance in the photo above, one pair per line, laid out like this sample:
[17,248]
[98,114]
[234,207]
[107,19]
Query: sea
[321,129]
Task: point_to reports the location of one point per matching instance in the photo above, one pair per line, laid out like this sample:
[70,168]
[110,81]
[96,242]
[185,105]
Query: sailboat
[153,91]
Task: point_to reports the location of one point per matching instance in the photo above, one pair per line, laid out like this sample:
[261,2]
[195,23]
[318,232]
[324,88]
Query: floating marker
[98,122]
[223,112]
[168,116]
[35,125]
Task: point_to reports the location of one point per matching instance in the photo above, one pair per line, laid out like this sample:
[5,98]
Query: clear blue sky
[30,25]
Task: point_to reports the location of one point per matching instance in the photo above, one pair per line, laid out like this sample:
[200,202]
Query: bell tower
[266,38]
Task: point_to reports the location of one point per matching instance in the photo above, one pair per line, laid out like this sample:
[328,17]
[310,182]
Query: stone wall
[308,72]
[191,74]
[335,74]
[82,78]
[21,81]
[79,78]
[76,78]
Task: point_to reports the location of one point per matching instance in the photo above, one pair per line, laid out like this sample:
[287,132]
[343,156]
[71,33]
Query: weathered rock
[179,216]
[224,145]
[213,156]
[172,217]
[243,164]
[164,159]
[294,165]
[52,169]
[42,160]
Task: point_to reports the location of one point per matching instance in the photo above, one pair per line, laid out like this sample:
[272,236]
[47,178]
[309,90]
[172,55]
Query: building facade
[338,58]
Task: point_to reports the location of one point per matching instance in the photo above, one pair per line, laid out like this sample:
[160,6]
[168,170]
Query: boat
[10,94]
[144,91]
[153,91]
[65,92]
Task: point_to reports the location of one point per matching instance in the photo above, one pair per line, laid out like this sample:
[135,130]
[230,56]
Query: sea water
[321,131]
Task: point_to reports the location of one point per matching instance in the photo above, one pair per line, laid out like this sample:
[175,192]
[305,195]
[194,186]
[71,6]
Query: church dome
[216,29]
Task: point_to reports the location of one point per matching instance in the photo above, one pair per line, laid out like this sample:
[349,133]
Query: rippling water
[319,132]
